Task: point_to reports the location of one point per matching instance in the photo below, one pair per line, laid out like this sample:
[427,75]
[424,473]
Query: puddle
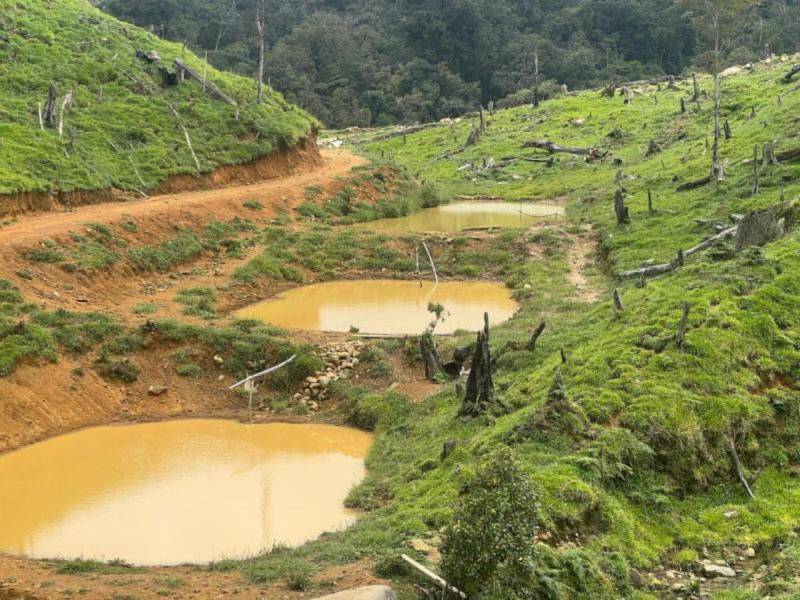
[385,307]
[467,215]
[178,492]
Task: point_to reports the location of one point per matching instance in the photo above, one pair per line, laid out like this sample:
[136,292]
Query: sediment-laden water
[388,307]
[178,492]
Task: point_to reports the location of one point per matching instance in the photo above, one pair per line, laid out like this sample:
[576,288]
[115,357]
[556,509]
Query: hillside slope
[629,435]
[121,131]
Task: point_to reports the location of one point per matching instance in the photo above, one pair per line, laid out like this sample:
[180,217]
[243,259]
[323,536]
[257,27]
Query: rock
[157,390]
[711,571]
[219,360]
[730,514]
[750,553]
[371,592]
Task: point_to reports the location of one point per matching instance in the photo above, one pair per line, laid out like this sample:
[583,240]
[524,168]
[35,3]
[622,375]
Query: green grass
[198,302]
[634,467]
[121,112]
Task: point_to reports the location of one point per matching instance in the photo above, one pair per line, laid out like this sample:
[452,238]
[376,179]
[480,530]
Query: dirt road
[170,207]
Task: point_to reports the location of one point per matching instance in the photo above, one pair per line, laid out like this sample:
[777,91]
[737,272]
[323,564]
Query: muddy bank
[280,163]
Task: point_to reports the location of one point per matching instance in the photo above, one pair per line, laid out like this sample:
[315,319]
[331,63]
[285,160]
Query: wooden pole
[433,577]
[433,266]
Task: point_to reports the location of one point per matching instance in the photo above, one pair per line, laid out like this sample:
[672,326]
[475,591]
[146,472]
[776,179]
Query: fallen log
[693,185]
[671,266]
[553,148]
[794,71]
[182,66]
[404,131]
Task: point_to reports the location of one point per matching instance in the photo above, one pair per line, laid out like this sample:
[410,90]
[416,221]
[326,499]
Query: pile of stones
[340,359]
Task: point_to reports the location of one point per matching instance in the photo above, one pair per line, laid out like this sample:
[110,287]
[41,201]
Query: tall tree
[261,48]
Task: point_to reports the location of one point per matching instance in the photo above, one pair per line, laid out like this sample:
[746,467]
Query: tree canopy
[370,62]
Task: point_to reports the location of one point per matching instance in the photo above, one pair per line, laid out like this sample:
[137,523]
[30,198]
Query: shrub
[253,205]
[489,547]
[189,370]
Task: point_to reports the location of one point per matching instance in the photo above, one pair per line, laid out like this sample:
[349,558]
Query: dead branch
[738,464]
[185,135]
[681,337]
[65,105]
[535,336]
[552,148]
[184,68]
[671,266]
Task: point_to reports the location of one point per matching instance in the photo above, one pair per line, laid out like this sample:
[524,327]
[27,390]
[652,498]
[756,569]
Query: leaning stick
[430,258]
[186,135]
[433,576]
[262,373]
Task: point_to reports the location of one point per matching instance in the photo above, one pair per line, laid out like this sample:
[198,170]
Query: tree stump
[761,227]
[430,357]
[50,109]
[479,396]
[623,215]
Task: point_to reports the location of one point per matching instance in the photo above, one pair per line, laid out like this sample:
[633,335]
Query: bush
[489,547]
[189,370]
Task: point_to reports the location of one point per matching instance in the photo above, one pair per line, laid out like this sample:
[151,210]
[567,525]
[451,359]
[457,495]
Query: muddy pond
[178,492]
[385,307]
[459,216]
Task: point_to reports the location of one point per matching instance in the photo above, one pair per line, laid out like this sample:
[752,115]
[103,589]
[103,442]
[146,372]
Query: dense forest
[370,62]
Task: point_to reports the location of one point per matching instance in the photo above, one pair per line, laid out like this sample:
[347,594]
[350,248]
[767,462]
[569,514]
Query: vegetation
[421,61]
[626,436]
[120,131]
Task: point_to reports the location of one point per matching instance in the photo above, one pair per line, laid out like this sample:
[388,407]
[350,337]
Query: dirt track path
[52,224]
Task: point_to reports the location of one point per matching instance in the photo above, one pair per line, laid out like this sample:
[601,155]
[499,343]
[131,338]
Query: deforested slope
[123,112]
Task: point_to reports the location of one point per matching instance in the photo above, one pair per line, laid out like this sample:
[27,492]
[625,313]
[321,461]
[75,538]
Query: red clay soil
[277,164]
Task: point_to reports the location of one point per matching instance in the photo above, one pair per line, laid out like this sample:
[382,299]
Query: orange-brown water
[467,215]
[178,492]
[385,306]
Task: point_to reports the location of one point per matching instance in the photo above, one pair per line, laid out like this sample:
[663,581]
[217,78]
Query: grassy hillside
[121,115]
[633,470]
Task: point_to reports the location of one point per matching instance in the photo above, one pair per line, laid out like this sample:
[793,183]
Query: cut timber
[479,396]
[552,148]
[184,68]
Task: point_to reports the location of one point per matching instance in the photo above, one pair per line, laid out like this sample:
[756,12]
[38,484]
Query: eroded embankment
[42,399]
[283,162]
